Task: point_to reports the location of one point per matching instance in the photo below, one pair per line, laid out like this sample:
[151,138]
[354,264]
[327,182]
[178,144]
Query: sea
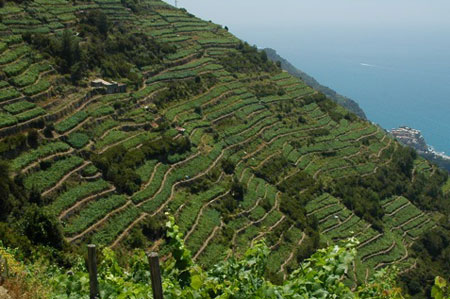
[397,71]
[396,80]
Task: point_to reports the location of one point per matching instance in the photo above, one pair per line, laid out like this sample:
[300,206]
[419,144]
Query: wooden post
[3,269]
[92,267]
[155,272]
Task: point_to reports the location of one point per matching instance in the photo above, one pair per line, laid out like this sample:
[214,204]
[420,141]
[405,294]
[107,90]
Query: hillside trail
[99,223]
[81,124]
[291,256]
[338,225]
[199,215]
[253,222]
[64,178]
[407,222]
[144,215]
[274,246]
[149,181]
[380,252]
[211,236]
[166,175]
[269,230]
[128,229]
[85,200]
[38,161]
[118,142]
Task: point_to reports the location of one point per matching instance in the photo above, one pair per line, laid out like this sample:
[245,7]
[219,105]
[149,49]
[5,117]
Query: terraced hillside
[210,131]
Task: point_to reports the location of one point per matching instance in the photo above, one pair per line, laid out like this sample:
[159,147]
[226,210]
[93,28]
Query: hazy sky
[265,24]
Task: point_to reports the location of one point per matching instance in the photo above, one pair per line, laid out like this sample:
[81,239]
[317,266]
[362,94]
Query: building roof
[98,80]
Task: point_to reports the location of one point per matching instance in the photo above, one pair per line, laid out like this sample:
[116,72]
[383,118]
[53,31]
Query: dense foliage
[114,49]
[318,277]
[247,60]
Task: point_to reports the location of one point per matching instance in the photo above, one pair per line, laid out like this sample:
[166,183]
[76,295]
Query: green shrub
[78,140]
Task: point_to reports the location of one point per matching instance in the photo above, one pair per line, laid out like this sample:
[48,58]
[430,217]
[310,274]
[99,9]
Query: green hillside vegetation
[318,277]
[210,130]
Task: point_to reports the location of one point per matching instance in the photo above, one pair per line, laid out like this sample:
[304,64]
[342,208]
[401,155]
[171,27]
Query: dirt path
[404,257]
[369,240]
[236,233]
[381,252]
[166,175]
[367,135]
[198,175]
[322,208]
[290,257]
[78,109]
[128,229]
[64,178]
[262,234]
[288,176]
[99,223]
[36,163]
[119,142]
[247,211]
[421,224]
[155,245]
[384,206]
[205,244]
[399,209]
[254,113]
[339,224]
[266,159]
[407,222]
[413,266]
[80,203]
[274,246]
[123,235]
[143,187]
[200,213]
[76,127]
[386,163]
[378,155]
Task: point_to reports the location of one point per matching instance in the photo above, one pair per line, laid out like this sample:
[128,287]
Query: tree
[41,227]
[237,190]
[5,202]
[32,138]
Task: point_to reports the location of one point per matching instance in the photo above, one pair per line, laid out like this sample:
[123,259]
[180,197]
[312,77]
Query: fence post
[155,272]
[3,269]
[92,267]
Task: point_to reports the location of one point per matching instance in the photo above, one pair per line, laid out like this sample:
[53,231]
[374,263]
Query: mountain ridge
[346,102]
